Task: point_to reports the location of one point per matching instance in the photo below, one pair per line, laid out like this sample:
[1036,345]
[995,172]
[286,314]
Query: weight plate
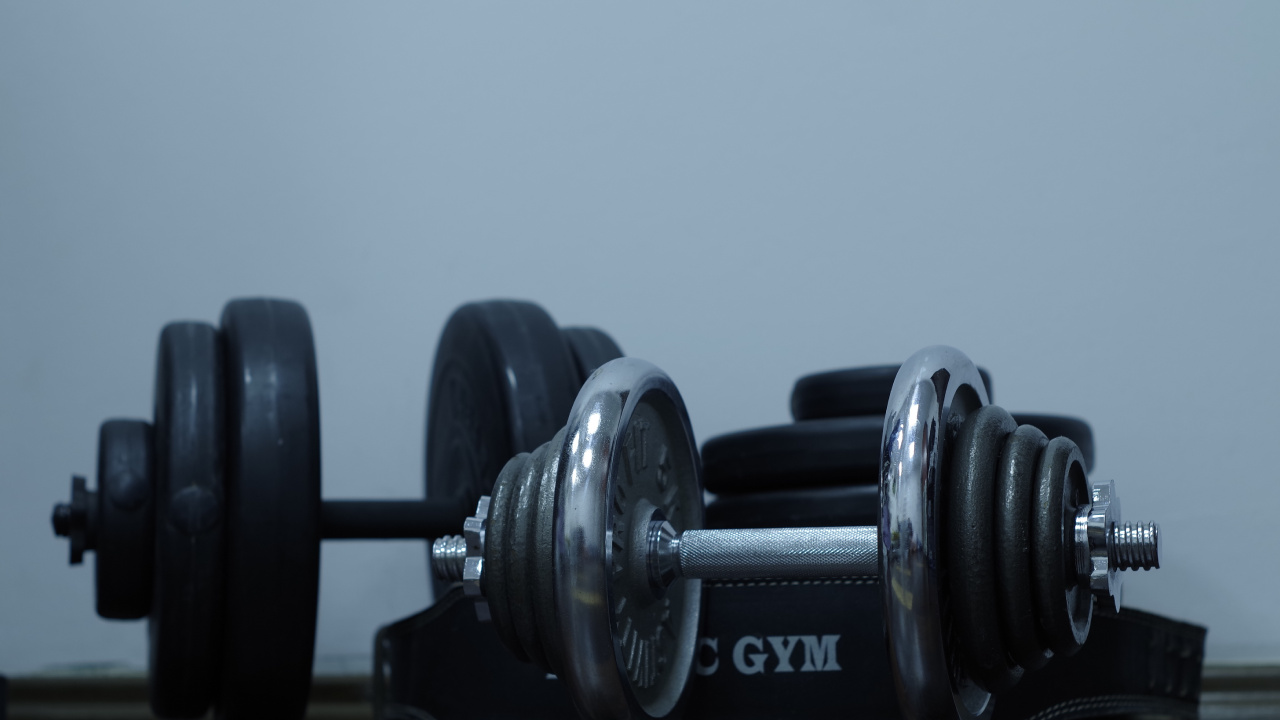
[502,384]
[1062,609]
[126,520]
[519,556]
[815,507]
[627,458]
[812,453]
[591,348]
[970,555]
[1014,479]
[850,393]
[1074,429]
[936,390]
[185,622]
[498,562]
[273,509]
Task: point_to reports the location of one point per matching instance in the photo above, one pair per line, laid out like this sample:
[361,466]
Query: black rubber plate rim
[813,453]
[185,624]
[273,509]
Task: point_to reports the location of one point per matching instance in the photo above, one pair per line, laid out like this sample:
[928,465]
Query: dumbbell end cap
[62,519]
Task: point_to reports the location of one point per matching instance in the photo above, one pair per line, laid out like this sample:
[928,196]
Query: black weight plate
[1074,429]
[813,453]
[817,507]
[849,393]
[971,558]
[126,520]
[273,509]
[498,556]
[1063,609]
[185,624]
[1014,479]
[503,383]
[591,348]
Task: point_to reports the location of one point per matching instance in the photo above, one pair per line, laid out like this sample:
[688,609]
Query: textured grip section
[779,553]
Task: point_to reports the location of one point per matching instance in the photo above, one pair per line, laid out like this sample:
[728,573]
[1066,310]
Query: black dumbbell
[208,520]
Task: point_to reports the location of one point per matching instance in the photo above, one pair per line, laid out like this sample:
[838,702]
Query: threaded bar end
[448,556]
[1134,546]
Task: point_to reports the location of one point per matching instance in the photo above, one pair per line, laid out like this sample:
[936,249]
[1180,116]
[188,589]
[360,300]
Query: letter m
[820,653]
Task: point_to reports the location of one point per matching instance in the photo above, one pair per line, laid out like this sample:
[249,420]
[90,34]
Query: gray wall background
[1085,200]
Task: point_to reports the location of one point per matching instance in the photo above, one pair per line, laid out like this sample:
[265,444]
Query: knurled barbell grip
[774,553]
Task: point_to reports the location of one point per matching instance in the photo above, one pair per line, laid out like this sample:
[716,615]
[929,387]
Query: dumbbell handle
[829,552]
[775,553]
[389,519]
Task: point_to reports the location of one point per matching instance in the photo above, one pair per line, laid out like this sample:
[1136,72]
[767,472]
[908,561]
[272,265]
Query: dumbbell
[209,519]
[588,556]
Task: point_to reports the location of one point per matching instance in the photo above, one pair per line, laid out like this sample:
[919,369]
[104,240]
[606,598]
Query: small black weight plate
[849,393]
[1063,609]
[273,509]
[503,383]
[815,507]
[498,556]
[126,520]
[189,437]
[1074,429]
[591,348]
[813,453]
[1014,479]
[971,558]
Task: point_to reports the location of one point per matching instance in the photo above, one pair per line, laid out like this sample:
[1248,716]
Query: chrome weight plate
[628,457]
[933,393]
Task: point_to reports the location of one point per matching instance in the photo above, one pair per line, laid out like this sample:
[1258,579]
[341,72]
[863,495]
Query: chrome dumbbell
[589,555]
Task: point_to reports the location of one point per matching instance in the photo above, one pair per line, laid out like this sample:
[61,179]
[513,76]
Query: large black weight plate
[503,383]
[813,453]
[971,558]
[1063,609]
[1074,429]
[1014,480]
[186,609]
[273,509]
[817,507]
[591,348]
[849,393]
[126,520]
